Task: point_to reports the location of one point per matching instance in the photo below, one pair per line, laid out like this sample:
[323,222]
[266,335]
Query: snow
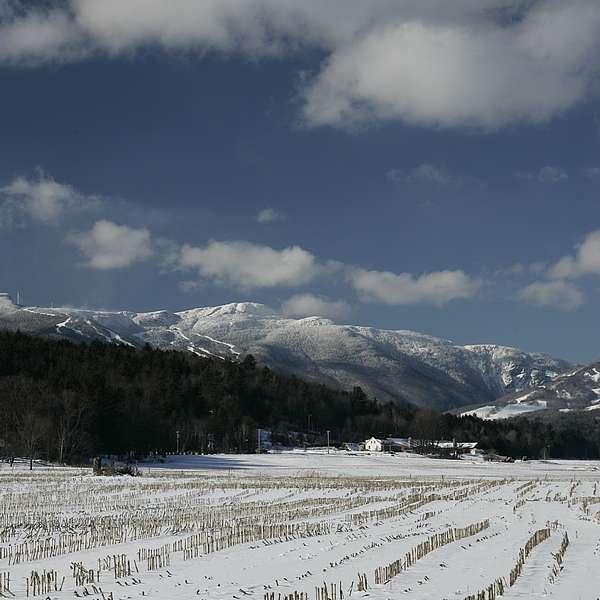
[495,412]
[231,347]
[594,376]
[38,311]
[63,323]
[370,510]
[521,398]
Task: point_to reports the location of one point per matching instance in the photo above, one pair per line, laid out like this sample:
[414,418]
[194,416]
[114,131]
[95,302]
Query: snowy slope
[391,365]
[576,390]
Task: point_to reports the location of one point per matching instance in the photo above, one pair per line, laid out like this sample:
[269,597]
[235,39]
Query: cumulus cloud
[483,74]
[585,261]
[246,265]
[546,174]
[484,64]
[268,215]
[39,35]
[310,305]
[562,295]
[43,199]
[249,266]
[592,172]
[427,174]
[110,246]
[437,288]
[75,29]
[538,267]
[518,269]
[552,175]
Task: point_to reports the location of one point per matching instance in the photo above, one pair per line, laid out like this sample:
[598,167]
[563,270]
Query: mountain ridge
[572,391]
[399,365]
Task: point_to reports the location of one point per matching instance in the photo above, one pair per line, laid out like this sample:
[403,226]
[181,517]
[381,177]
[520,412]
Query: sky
[403,164]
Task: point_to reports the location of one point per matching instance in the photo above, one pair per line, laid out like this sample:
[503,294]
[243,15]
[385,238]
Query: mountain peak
[233,308]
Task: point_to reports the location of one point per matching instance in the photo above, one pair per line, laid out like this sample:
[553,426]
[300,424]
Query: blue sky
[413,165]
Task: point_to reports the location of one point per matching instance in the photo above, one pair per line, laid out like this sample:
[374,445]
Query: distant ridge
[403,366]
[575,390]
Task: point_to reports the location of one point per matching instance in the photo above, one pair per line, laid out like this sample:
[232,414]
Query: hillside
[64,402]
[577,390]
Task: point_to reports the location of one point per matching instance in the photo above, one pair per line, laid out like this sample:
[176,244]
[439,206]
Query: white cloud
[485,64]
[546,174]
[248,266]
[438,288]
[42,199]
[309,305]
[268,215]
[515,270]
[39,36]
[466,73]
[552,175]
[553,294]
[538,267]
[519,269]
[110,246]
[427,174]
[592,172]
[585,261]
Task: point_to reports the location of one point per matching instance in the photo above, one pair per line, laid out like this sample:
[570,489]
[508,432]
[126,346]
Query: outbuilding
[454,448]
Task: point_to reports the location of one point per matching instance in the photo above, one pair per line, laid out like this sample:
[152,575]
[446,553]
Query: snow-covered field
[283,526]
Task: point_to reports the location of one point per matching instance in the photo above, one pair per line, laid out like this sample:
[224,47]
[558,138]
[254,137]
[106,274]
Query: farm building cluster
[394,444]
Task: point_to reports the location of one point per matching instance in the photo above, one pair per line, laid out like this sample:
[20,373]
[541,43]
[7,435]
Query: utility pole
[258,436]
[177,432]
[328,441]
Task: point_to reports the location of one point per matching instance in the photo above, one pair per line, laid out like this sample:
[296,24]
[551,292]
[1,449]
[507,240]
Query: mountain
[403,366]
[576,390]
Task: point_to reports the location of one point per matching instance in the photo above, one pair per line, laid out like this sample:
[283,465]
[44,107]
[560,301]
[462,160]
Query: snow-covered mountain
[575,390]
[402,366]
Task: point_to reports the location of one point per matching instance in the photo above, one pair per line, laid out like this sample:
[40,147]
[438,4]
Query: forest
[67,402]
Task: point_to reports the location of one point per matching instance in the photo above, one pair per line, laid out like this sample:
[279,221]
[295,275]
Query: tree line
[66,402]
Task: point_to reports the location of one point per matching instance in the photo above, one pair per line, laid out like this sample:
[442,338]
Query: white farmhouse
[374,445]
[388,444]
